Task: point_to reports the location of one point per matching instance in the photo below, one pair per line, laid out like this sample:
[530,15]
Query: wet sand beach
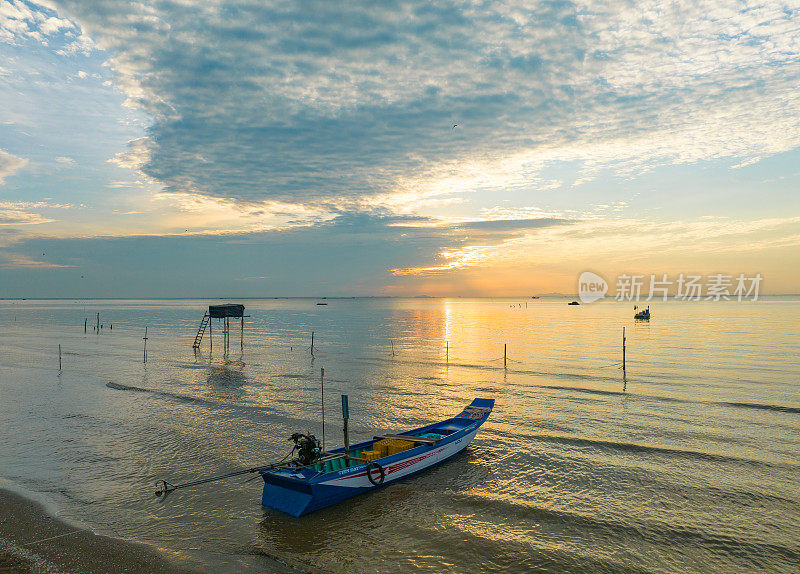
[31,540]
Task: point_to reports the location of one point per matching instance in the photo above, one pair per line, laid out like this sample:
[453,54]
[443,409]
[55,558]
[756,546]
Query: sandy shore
[33,541]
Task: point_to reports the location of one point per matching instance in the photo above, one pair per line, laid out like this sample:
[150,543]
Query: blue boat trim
[298,491]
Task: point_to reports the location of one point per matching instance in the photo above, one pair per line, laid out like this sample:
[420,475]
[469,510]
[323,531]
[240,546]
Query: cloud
[18,261]
[34,205]
[16,217]
[352,105]
[18,212]
[10,164]
[39,22]
[505,225]
[618,241]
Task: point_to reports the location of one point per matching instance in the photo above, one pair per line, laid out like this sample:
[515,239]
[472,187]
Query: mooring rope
[51,538]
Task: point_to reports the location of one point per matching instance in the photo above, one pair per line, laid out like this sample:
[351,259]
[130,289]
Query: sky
[252,148]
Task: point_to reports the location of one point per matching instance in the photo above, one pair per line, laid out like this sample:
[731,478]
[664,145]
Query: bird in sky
[455,126]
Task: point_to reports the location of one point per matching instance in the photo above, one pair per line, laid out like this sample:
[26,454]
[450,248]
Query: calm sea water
[690,463]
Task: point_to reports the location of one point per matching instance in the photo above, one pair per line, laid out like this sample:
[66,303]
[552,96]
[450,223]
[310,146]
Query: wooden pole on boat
[85,323]
[97,329]
[345,419]
[623,350]
[322,392]
[144,356]
[163,487]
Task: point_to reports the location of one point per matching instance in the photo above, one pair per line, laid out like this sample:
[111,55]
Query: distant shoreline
[607,299]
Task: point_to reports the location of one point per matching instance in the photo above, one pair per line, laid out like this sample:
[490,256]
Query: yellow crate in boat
[400,447]
[393,445]
[370,455]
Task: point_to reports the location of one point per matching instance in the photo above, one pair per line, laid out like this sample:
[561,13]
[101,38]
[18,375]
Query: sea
[688,460]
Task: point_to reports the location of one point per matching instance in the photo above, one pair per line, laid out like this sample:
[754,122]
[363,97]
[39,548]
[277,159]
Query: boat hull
[300,491]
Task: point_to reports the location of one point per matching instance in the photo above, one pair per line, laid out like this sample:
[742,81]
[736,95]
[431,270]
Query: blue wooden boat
[335,476]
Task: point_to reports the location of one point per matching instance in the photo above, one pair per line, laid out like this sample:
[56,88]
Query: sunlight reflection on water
[689,464]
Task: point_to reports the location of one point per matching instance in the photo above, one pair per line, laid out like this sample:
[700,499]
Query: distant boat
[327,479]
[534,297]
[573,303]
[642,315]
[321,303]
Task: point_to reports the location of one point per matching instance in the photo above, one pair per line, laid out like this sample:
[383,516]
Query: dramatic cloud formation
[337,103]
[428,145]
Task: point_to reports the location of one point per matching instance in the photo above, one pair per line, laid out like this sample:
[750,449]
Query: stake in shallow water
[623,349]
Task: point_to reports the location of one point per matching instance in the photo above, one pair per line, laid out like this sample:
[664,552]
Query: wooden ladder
[201,330]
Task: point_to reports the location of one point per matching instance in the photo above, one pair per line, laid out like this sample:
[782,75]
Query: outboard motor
[307,447]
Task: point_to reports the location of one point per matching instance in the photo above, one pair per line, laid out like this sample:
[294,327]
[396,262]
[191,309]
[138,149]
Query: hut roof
[227,310]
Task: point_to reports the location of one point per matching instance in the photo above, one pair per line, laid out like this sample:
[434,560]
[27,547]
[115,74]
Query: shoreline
[33,540]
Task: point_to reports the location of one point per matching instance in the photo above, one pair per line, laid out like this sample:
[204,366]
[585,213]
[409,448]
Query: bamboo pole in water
[623,349]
